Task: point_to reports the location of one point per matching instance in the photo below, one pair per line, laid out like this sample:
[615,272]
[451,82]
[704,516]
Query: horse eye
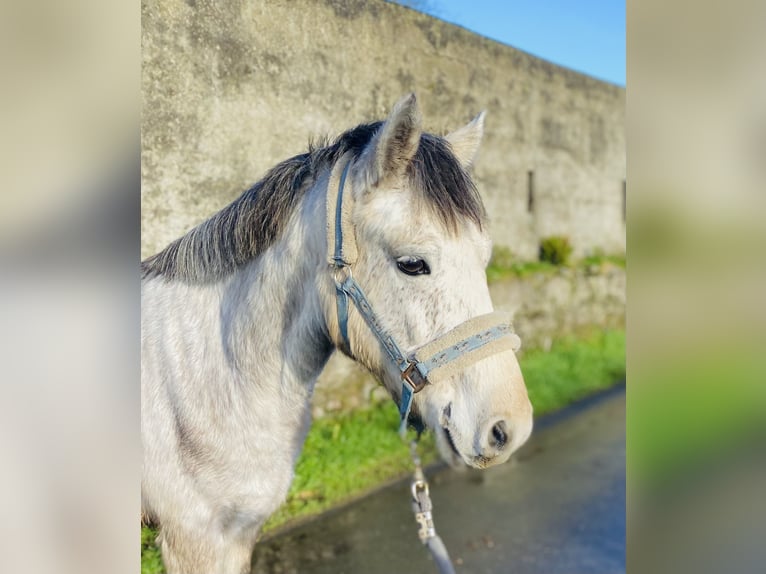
[413,266]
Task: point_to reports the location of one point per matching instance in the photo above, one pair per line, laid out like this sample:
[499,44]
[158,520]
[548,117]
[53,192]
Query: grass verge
[573,369]
[347,455]
[522,269]
[501,268]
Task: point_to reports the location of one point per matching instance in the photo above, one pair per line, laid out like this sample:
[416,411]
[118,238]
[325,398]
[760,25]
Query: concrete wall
[231,88]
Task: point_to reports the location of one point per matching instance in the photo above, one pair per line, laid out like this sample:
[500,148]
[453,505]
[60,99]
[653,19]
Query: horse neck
[271,312]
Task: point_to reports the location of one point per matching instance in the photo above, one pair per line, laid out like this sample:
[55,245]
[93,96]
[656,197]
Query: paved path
[558,508]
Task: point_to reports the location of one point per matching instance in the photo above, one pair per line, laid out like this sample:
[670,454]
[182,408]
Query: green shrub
[555,250]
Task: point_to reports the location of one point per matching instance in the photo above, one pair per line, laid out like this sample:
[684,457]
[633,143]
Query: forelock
[444,184]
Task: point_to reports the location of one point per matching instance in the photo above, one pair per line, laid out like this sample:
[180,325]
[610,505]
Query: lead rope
[421,506]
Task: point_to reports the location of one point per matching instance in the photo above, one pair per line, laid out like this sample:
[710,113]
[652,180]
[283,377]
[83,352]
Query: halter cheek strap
[439,359]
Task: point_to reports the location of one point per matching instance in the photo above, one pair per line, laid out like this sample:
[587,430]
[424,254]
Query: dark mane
[249,225]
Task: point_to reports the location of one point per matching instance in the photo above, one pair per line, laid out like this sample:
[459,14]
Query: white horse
[240,315]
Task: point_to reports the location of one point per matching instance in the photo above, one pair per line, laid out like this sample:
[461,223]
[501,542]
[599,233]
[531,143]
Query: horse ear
[466,140]
[394,145]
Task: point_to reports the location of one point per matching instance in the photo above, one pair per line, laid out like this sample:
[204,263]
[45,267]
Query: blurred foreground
[697,318]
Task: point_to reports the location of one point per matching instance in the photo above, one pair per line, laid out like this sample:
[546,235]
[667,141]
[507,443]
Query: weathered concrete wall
[231,88]
[544,306]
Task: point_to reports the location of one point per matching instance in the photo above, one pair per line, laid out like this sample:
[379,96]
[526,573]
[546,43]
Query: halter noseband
[438,359]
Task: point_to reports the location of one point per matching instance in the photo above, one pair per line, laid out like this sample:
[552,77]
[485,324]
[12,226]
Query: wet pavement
[559,507]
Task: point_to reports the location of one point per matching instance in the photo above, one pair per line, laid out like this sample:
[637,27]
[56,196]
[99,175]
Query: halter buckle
[411,375]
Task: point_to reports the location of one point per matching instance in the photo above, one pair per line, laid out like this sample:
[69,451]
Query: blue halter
[414,371]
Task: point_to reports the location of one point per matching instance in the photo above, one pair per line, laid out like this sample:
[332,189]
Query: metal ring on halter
[341,274]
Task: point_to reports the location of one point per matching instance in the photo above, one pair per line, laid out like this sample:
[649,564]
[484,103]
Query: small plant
[555,250]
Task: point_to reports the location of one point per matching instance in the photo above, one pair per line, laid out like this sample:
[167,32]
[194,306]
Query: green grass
[573,369]
[601,259]
[519,269]
[151,559]
[504,265]
[347,455]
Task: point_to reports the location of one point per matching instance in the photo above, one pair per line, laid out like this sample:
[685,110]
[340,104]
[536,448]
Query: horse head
[420,251]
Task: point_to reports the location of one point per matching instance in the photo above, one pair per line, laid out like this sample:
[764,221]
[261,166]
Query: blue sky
[586,35]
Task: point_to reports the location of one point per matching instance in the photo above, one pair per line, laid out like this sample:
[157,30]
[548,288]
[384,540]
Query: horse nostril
[499,435]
